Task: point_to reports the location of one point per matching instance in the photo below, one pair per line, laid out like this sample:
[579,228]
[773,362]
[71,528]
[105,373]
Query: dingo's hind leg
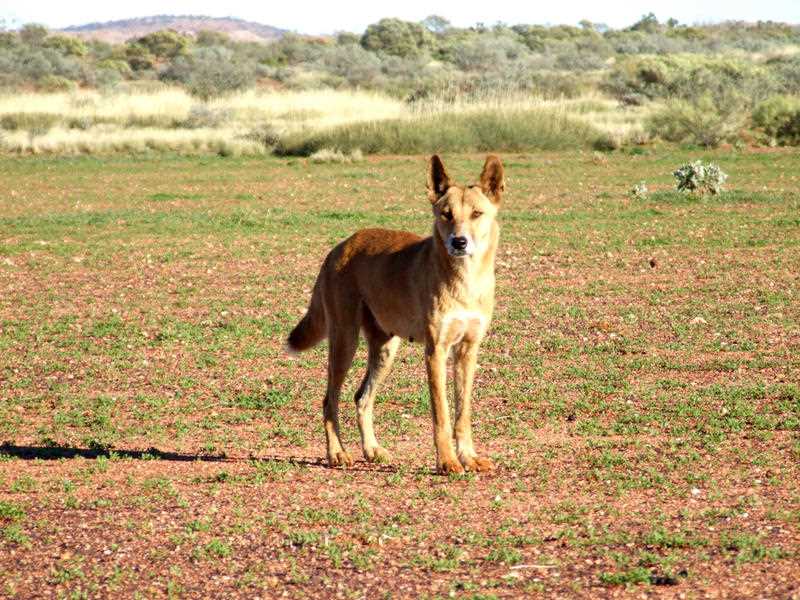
[382,349]
[342,342]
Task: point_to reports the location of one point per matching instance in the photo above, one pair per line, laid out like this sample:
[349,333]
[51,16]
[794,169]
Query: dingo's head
[465,215]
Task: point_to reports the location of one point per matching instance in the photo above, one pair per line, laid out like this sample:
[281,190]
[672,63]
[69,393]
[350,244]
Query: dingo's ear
[492,179]
[438,180]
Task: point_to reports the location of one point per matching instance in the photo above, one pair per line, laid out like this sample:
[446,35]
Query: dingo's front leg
[381,354]
[465,357]
[436,365]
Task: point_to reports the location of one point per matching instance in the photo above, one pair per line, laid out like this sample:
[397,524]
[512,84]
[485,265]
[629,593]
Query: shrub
[66,45]
[787,70]
[557,85]
[112,64]
[145,86]
[698,177]
[471,131]
[164,44]
[265,134]
[639,191]
[326,155]
[210,72]
[486,53]
[33,34]
[139,58]
[30,121]
[55,83]
[352,63]
[779,118]
[393,36]
[202,116]
[689,77]
[208,37]
[106,79]
[704,121]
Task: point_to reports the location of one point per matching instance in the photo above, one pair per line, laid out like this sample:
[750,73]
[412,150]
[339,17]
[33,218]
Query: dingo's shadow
[66,452]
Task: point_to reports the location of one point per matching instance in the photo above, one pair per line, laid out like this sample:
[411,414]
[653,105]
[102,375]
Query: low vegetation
[637,389]
[473,131]
[729,83]
[301,123]
[701,178]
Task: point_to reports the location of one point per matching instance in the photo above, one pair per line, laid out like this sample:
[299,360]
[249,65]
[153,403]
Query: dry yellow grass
[107,139]
[170,119]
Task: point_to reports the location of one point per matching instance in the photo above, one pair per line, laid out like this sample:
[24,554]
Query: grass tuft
[474,131]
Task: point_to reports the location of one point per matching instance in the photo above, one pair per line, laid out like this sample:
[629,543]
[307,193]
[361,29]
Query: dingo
[438,291]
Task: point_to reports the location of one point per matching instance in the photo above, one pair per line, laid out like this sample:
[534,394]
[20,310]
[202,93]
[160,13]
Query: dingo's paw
[477,464]
[376,454]
[449,465]
[340,459]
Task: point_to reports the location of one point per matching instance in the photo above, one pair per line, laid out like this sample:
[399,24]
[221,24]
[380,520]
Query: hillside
[119,31]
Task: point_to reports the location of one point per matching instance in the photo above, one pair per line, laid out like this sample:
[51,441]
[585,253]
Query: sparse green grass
[157,438]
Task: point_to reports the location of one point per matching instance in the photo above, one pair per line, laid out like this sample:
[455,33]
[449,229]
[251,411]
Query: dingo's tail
[310,331]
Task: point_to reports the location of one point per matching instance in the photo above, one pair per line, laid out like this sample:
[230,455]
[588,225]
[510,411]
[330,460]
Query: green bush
[203,116]
[699,177]
[479,131]
[165,43]
[704,121]
[400,38]
[210,72]
[114,64]
[55,83]
[264,134]
[779,118]
[33,34]
[139,58]
[688,77]
[22,121]
[66,45]
[106,79]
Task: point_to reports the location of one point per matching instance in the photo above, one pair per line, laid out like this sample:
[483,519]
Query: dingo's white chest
[460,324]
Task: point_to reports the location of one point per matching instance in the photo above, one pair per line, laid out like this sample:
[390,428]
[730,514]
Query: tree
[66,45]
[396,37]
[208,37]
[648,24]
[8,39]
[435,24]
[33,34]
[139,58]
[352,63]
[210,72]
[165,43]
[345,38]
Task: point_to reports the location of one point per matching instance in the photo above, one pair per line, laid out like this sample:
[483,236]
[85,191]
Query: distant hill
[119,31]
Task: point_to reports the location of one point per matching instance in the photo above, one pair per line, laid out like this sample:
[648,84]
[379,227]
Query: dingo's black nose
[458,243]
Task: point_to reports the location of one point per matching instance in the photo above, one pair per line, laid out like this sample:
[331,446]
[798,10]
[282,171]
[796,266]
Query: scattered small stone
[698,321]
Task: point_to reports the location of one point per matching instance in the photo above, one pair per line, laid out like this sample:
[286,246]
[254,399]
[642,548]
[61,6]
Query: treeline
[727,75]
[399,57]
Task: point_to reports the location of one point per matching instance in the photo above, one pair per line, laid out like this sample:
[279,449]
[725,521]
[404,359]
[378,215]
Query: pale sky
[355,15]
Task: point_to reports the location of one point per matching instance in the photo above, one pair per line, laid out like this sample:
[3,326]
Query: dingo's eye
[476,214]
[447,215]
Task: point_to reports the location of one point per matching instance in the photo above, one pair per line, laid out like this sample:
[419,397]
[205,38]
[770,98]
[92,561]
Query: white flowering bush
[639,191]
[700,178]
